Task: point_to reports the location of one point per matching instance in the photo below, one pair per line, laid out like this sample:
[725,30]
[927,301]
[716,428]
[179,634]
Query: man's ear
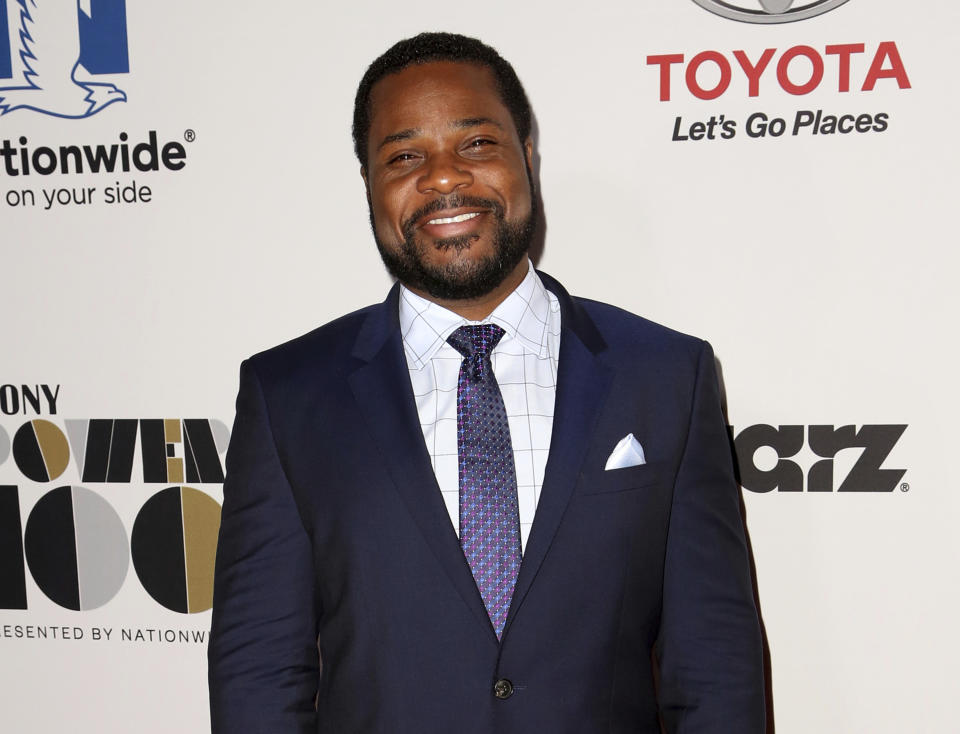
[366,187]
[528,157]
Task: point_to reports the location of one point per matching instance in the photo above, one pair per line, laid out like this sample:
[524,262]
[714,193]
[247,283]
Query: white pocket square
[628,452]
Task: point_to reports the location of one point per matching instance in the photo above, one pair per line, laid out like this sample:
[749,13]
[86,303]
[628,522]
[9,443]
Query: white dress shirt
[525,365]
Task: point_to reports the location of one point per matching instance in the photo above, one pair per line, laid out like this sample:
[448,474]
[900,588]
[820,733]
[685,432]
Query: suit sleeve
[711,670]
[264,666]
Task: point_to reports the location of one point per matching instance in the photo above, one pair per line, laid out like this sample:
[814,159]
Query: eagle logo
[54,81]
[769,11]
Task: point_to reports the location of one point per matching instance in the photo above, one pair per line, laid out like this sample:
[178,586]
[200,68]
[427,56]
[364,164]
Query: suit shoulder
[621,333]
[326,346]
[623,330]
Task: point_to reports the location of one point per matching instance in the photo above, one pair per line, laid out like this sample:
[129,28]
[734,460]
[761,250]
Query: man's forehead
[410,86]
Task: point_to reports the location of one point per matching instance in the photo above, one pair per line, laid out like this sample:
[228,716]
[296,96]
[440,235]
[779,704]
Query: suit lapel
[381,387]
[583,382]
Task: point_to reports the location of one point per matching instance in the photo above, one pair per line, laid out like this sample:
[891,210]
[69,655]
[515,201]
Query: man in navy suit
[605,586]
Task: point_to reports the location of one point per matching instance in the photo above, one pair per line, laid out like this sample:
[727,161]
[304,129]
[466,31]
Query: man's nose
[443,175]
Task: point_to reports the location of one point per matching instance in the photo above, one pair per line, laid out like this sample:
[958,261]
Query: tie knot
[477,340]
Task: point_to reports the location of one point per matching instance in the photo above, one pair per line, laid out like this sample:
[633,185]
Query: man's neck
[477,309]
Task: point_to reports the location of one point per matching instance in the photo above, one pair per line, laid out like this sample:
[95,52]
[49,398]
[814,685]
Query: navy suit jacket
[334,534]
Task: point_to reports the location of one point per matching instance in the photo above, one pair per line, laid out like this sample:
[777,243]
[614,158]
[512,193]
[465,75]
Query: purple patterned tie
[489,519]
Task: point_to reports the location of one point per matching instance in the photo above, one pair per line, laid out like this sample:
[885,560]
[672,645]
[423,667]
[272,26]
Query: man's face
[448,180]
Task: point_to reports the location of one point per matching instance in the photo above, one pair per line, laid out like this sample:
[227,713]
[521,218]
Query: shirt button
[503,689]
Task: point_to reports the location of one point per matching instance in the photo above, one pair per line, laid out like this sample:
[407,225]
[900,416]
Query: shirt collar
[523,315]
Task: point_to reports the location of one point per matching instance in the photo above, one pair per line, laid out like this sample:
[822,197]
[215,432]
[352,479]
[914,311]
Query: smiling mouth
[450,216]
[454,220]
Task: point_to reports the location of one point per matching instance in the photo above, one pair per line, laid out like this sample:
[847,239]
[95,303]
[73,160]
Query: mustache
[454,201]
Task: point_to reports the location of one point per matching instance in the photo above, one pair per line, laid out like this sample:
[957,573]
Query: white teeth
[452,220]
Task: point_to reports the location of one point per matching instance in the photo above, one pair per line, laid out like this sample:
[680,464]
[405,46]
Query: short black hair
[428,47]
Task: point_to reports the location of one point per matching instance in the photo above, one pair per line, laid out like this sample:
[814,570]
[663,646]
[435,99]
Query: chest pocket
[626,479]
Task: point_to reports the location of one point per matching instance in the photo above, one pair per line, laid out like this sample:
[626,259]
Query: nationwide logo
[769,11]
[52,52]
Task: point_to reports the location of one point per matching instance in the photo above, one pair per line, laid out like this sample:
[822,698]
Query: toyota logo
[769,11]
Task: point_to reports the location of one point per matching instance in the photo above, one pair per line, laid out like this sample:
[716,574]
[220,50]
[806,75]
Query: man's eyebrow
[412,132]
[407,134]
[476,122]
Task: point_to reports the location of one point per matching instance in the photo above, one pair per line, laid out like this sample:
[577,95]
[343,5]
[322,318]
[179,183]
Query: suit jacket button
[503,689]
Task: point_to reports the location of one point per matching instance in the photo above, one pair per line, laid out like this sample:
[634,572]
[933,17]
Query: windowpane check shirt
[525,365]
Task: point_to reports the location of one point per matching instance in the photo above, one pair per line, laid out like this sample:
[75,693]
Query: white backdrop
[819,266]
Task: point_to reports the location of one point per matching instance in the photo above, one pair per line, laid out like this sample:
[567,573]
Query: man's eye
[401,158]
[480,143]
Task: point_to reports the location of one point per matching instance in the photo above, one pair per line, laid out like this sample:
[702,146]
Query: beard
[461,279]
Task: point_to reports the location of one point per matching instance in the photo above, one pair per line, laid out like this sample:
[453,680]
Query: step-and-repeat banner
[178,191]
